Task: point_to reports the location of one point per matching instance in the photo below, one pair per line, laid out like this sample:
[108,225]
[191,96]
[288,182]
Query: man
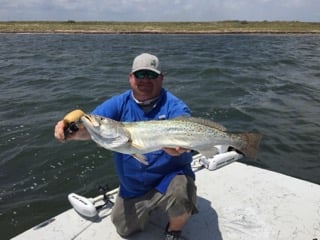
[168,180]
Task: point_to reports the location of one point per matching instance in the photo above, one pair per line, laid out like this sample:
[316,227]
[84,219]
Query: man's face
[145,84]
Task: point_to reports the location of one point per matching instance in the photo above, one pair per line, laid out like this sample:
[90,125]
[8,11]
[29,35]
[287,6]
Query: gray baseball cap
[146,61]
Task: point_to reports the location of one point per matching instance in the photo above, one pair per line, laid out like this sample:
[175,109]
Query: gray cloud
[165,10]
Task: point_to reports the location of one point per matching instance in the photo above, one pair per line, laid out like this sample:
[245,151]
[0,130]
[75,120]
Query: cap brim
[146,68]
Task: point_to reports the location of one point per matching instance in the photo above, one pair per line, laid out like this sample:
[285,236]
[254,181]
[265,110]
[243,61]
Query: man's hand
[69,127]
[176,151]
[59,131]
[81,134]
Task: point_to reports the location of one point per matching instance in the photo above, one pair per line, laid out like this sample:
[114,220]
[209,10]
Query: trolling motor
[86,206]
[225,155]
[72,120]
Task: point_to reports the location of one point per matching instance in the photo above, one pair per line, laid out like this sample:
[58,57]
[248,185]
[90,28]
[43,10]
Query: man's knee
[124,227]
[182,187]
[129,216]
[182,196]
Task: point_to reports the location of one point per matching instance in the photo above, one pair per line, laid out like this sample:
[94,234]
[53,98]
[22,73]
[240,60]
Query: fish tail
[251,146]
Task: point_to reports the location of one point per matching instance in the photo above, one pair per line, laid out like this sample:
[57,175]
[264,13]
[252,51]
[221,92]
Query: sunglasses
[145,74]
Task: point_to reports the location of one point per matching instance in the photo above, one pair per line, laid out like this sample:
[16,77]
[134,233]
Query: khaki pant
[131,215]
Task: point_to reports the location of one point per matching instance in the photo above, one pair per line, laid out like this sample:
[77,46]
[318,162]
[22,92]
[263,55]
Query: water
[264,83]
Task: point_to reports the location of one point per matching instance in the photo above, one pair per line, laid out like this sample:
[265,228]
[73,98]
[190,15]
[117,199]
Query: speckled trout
[138,138]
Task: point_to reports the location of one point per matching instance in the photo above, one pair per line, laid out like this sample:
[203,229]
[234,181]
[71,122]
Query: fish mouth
[92,125]
[89,121]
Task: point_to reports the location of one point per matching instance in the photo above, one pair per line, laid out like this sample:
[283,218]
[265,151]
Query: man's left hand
[176,151]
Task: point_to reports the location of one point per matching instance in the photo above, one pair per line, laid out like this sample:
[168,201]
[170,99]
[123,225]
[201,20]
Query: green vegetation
[71,26]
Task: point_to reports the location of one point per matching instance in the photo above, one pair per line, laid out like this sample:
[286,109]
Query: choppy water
[246,82]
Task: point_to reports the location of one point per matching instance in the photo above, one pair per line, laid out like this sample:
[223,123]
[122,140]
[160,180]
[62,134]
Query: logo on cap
[153,63]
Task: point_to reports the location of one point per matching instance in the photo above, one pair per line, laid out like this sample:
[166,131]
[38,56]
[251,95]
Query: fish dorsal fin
[202,121]
[140,158]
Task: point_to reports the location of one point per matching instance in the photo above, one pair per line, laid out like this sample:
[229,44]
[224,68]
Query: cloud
[164,10]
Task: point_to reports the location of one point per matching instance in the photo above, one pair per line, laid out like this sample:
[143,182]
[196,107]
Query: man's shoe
[173,235]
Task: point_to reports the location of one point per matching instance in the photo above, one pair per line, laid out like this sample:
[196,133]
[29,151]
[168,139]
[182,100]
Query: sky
[160,10]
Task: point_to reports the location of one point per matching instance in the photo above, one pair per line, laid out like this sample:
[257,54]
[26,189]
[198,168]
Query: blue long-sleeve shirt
[136,179]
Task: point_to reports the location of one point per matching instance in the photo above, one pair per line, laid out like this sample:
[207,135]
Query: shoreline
[160,33]
[223,27]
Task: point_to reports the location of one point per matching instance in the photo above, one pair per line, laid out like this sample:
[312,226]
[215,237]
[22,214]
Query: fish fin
[136,146]
[141,158]
[251,146]
[119,141]
[114,142]
[201,121]
[208,152]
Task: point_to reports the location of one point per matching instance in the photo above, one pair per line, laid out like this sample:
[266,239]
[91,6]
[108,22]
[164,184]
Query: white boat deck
[234,202]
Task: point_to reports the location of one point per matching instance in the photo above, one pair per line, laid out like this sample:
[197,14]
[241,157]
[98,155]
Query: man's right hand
[59,131]
[69,128]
